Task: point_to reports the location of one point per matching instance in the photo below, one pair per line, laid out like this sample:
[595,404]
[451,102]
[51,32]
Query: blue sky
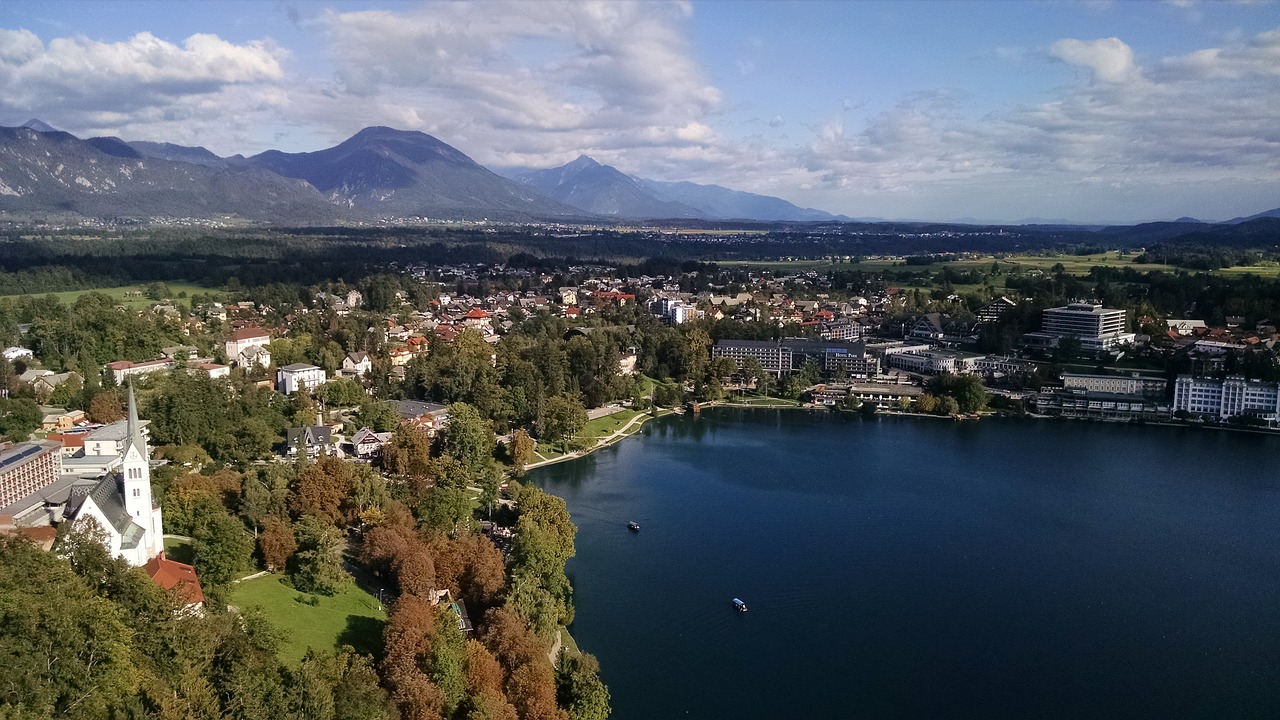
[1001,111]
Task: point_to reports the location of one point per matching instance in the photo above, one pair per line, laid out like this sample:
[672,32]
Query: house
[58,419]
[214,370]
[292,378]
[179,577]
[368,444]
[17,353]
[311,441]
[243,338]
[423,415]
[356,363]
[46,384]
[567,295]
[252,356]
[476,318]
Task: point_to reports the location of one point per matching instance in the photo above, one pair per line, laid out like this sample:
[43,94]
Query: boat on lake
[633,526]
[739,605]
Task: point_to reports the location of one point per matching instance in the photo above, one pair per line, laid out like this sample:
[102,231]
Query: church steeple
[135,468]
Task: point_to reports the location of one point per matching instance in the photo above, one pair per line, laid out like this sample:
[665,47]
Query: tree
[578,687]
[343,392]
[520,450]
[323,489]
[19,417]
[377,415]
[66,651]
[223,548]
[317,565]
[561,418]
[276,542]
[468,438]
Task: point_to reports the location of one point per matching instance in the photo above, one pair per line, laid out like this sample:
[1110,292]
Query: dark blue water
[909,568]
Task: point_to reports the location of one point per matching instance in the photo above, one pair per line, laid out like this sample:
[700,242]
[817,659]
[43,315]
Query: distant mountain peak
[39,126]
[582,162]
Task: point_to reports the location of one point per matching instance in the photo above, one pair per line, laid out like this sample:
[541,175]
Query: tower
[135,481]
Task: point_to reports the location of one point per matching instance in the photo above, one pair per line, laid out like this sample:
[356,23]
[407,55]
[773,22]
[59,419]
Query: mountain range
[378,174]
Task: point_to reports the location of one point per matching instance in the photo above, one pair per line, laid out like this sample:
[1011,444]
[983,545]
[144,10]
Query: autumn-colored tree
[276,543]
[508,637]
[408,639]
[105,408]
[471,566]
[409,452]
[381,547]
[531,689]
[520,450]
[484,674]
[415,571]
[322,489]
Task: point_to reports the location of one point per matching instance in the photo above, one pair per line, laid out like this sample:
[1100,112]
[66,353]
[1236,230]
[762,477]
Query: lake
[921,568]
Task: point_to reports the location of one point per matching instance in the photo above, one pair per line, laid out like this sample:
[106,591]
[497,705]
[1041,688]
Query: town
[303,445]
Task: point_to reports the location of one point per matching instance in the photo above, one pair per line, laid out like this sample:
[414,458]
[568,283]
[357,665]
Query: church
[120,503]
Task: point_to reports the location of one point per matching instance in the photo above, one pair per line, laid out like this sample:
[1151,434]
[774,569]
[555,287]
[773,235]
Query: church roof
[106,496]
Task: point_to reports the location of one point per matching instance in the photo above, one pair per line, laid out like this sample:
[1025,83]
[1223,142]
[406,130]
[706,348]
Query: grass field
[352,617]
[592,432]
[178,550]
[137,301]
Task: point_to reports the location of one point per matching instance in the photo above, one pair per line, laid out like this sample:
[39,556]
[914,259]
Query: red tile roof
[170,574]
[248,333]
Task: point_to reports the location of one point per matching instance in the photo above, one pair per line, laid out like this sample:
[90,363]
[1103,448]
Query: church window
[137,492]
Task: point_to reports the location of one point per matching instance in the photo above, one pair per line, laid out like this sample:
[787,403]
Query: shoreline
[633,426]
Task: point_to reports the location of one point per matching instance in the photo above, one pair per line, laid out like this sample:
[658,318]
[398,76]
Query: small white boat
[739,605]
[633,526]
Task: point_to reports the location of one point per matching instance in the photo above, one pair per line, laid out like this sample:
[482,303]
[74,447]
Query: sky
[1101,111]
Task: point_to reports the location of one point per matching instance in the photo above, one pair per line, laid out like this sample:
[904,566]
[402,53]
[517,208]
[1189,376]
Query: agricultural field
[132,296]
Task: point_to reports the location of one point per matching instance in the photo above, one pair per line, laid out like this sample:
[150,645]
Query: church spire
[133,429]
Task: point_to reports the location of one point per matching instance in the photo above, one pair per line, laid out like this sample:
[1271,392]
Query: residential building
[934,362]
[28,467]
[994,310]
[310,441]
[291,378]
[252,356]
[243,338]
[356,363]
[121,369]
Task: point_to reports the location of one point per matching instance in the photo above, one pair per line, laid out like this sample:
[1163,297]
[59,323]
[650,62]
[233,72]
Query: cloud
[1110,59]
[91,86]
[530,82]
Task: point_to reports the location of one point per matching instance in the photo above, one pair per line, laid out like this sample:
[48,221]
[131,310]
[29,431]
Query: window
[137,492]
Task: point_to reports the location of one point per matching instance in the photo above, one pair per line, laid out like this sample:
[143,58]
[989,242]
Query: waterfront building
[1134,384]
[1088,405]
[1234,396]
[783,356]
[933,362]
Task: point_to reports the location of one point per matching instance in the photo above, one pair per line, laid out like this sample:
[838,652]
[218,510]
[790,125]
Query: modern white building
[1225,399]
[1096,327]
[291,378]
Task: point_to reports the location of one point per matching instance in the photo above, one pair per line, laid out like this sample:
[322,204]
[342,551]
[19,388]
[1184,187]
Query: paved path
[607,440]
[555,649]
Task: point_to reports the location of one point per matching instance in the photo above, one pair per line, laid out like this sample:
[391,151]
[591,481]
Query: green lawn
[352,617]
[138,301]
[179,550]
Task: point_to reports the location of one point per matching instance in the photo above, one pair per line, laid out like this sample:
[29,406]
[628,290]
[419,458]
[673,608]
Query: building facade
[291,378]
[1224,399]
[1096,327]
